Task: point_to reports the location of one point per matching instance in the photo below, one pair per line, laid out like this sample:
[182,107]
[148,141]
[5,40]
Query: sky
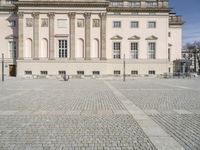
[190,11]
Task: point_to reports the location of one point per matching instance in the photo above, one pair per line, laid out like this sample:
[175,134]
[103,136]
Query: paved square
[94,114]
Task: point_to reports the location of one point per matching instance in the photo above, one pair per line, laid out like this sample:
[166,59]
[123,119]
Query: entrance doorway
[12,70]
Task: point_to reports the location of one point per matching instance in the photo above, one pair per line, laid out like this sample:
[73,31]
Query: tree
[193,50]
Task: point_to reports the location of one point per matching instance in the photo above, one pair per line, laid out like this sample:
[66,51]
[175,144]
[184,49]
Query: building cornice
[131,9]
[60,4]
[7,8]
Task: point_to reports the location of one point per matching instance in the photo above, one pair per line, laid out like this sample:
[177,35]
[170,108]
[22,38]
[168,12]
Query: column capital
[51,15]
[35,15]
[103,15]
[72,15]
[87,15]
[20,15]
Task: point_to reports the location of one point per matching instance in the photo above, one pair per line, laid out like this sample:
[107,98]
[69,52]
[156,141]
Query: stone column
[87,35]
[35,36]
[72,17]
[103,17]
[20,35]
[51,35]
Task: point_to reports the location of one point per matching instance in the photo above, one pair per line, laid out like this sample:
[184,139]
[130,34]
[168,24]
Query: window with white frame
[134,24]
[134,50]
[62,45]
[151,24]
[151,50]
[116,50]
[116,24]
[13,49]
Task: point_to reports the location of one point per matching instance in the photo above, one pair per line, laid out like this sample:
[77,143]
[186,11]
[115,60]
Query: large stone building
[89,37]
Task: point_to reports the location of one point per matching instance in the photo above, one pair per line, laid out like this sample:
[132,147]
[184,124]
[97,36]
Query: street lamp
[124,67]
[2,67]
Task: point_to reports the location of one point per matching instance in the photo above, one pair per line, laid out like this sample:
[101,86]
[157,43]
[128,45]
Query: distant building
[89,37]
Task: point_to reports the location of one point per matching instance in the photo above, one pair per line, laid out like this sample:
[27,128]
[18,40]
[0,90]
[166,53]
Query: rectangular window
[80,72]
[134,72]
[134,24]
[151,50]
[134,4]
[152,72]
[62,72]
[96,72]
[62,23]
[44,72]
[28,72]
[134,50]
[152,4]
[169,34]
[62,48]
[13,49]
[12,23]
[116,50]
[117,72]
[117,24]
[151,24]
[169,54]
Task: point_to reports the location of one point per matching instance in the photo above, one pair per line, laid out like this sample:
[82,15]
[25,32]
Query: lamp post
[124,67]
[2,67]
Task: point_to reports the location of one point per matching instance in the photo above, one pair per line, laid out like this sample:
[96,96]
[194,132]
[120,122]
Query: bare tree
[193,50]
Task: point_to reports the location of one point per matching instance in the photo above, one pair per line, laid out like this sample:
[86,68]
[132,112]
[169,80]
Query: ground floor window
[80,72]
[152,72]
[13,49]
[28,72]
[116,50]
[61,72]
[134,72]
[44,72]
[63,47]
[96,72]
[117,72]
[134,50]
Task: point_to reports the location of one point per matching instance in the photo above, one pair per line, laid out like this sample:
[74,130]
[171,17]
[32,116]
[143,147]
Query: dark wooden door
[12,70]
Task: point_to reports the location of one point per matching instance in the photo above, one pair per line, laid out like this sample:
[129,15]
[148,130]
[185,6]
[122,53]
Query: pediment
[152,37]
[117,37]
[11,37]
[134,38]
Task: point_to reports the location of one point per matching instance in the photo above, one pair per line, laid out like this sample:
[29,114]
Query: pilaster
[20,35]
[51,35]
[103,17]
[35,49]
[72,17]
[87,35]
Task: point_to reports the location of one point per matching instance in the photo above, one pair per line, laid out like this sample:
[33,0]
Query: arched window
[95,49]
[80,49]
[28,49]
[44,48]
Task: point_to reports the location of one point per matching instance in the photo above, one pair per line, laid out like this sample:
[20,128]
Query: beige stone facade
[89,37]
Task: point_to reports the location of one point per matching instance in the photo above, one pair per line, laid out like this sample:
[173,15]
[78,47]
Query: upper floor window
[152,3]
[134,3]
[12,23]
[62,23]
[151,50]
[151,24]
[116,50]
[117,24]
[12,49]
[134,24]
[134,50]
[62,45]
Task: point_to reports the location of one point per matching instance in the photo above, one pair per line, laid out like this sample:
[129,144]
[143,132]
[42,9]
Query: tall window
[116,50]
[134,24]
[62,48]
[151,24]
[169,54]
[12,49]
[134,50]
[151,50]
[117,24]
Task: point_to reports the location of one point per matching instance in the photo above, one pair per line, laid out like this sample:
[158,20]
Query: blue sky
[190,11]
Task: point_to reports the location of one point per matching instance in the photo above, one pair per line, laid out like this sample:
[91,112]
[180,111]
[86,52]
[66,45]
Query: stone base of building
[91,68]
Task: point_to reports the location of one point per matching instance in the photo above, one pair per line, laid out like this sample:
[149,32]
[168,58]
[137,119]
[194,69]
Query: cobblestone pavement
[173,104]
[58,115]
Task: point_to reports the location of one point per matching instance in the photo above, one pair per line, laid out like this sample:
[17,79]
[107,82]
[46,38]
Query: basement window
[28,72]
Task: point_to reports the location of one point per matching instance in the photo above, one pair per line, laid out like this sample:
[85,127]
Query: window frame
[114,51]
[152,27]
[117,27]
[137,56]
[133,27]
[151,56]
